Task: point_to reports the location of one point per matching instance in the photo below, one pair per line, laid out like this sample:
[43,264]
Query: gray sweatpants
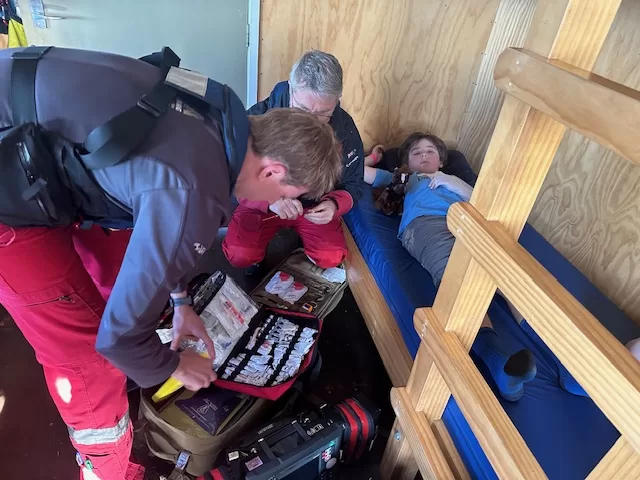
[429,241]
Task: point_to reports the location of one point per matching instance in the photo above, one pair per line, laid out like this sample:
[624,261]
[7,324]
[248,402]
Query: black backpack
[46,179]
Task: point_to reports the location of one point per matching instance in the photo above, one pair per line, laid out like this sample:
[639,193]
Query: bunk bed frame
[545,97]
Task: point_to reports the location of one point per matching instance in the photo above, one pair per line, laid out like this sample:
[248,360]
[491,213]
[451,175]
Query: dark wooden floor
[33,439]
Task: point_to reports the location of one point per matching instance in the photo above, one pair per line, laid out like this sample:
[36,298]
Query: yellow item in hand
[172,385]
[17,37]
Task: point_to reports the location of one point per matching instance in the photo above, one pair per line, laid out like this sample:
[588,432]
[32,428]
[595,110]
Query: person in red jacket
[315,86]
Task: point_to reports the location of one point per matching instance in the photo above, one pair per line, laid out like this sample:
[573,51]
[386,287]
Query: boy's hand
[322,213]
[440,179]
[287,208]
[451,183]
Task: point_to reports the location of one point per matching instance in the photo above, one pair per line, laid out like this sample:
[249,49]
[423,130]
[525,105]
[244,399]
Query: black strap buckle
[30,53]
[169,58]
[147,105]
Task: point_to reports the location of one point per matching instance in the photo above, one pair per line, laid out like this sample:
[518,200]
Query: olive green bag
[166,441]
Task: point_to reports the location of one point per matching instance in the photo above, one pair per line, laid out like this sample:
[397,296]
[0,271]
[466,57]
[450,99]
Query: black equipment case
[309,446]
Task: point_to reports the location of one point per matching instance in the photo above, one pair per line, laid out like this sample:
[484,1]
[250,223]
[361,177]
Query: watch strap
[179,302]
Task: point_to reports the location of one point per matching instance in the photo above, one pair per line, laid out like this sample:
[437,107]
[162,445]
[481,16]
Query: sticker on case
[253,464]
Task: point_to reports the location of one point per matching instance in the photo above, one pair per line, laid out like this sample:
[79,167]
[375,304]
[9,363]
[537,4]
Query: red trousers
[54,283]
[250,231]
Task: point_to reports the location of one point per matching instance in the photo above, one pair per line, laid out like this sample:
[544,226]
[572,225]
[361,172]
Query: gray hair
[317,72]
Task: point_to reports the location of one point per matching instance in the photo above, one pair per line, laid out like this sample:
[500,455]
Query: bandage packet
[276,358]
[279,283]
[294,293]
[226,317]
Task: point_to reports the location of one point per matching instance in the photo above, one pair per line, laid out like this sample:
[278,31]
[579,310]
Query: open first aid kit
[259,351]
[298,285]
[259,354]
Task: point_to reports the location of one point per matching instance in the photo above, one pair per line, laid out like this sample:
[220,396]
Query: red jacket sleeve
[262,206]
[342,198]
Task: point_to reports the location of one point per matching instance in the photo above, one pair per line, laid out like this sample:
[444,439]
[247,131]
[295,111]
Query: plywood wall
[510,28]
[428,64]
[409,64]
[589,206]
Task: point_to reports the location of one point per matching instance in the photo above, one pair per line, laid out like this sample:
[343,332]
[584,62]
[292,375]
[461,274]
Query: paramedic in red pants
[315,85]
[175,190]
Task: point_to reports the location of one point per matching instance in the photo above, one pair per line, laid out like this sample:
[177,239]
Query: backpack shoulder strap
[23,84]
[109,144]
[222,104]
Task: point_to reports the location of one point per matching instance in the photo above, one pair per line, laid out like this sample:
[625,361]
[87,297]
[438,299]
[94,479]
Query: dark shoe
[254,270]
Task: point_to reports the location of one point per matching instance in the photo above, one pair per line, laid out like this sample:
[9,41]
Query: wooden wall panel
[427,64]
[481,114]
[409,64]
[589,206]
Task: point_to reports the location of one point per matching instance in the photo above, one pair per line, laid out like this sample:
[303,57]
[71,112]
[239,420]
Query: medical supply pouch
[275,350]
[324,287]
[259,351]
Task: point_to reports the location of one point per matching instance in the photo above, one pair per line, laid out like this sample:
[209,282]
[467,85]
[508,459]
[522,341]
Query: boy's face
[424,157]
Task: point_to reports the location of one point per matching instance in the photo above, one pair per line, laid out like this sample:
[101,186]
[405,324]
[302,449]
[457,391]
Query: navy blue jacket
[352,181]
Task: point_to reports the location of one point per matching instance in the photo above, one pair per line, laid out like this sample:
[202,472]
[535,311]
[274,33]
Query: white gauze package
[279,283]
[226,318]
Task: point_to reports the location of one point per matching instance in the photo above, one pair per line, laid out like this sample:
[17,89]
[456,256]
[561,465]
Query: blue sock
[569,383]
[509,372]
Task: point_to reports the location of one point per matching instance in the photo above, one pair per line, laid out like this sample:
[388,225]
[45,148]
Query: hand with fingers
[451,183]
[322,213]
[194,370]
[375,156]
[439,179]
[287,208]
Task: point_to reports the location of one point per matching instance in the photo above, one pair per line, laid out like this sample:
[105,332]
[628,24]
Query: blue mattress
[567,434]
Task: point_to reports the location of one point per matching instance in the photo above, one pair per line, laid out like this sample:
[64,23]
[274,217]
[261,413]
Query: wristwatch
[179,302]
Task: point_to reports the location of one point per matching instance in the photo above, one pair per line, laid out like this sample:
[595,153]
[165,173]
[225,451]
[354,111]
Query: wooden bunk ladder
[544,98]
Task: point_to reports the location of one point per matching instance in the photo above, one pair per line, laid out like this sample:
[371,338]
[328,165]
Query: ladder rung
[621,461]
[600,363]
[602,110]
[430,459]
[500,440]
[450,451]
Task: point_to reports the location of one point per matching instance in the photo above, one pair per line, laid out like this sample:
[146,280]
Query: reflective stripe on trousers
[99,436]
[45,286]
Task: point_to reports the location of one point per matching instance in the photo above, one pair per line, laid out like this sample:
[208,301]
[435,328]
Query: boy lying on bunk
[424,234]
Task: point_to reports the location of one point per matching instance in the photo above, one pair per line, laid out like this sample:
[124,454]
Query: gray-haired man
[315,85]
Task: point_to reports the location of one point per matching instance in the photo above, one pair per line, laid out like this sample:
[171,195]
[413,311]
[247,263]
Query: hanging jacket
[174,188]
[351,186]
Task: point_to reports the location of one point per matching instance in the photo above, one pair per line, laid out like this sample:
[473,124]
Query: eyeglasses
[296,104]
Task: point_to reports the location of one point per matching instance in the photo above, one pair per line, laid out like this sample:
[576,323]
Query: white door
[210,36]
